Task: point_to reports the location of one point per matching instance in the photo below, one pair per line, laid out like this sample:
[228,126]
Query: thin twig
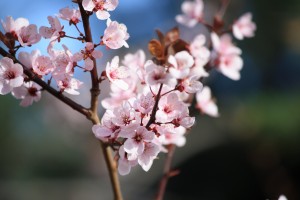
[223,8]
[154,109]
[95,91]
[167,173]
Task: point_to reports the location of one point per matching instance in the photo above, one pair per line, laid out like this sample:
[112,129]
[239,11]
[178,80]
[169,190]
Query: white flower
[227,56]
[116,73]
[28,92]
[193,13]
[181,63]
[124,165]
[100,7]
[11,75]
[205,102]
[115,35]
[135,143]
[244,27]
[191,84]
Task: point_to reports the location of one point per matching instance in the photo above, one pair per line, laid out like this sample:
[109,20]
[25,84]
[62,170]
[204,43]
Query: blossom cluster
[59,64]
[148,107]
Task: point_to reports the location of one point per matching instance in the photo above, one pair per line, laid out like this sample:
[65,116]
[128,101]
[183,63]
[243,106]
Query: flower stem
[95,91]
[167,173]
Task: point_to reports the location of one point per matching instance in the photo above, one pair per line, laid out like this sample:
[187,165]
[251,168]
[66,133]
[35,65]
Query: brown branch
[95,91]
[153,113]
[167,173]
[32,76]
[223,8]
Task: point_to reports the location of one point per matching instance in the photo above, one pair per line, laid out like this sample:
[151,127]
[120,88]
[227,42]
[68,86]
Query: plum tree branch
[167,173]
[32,76]
[95,91]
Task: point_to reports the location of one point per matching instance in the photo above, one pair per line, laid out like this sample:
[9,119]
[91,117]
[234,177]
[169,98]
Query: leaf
[172,35]
[156,49]
[177,46]
[161,37]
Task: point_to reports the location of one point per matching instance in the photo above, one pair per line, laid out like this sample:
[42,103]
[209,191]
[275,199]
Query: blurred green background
[252,151]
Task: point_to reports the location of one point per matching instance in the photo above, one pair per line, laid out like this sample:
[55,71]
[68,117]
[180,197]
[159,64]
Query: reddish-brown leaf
[172,35]
[156,49]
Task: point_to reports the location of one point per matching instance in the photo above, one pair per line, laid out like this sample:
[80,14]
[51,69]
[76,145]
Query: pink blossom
[205,102]
[144,103]
[100,7]
[23,32]
[201,55]
[115,35]
[182,118]
[123,115]
[64,60]
[42,65]
[169,105]
[172,135]
[26,58]
[227,56]
[244,27]
[107,129]
[88,54]
[191,84]
[124,165]
[192,13]
[150,152]
[223,45]
[28,35]
[156,74]
[14,26]
[116,73]
[53,31]
[67,84]
[28,92]
[198,69]
[135,143]
[71,15]
[135,61]
[230,66]
[11,75]
[118,95]
[181,63]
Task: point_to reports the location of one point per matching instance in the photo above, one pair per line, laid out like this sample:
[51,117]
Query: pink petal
[88,64]
[182,19]
[130,146]
[19,92]
[123,167]
[97,54]
[102,14]
[88,5]
[46,32]
[27,101]
[16,82]
[121,84]
[5,88]
[21,22]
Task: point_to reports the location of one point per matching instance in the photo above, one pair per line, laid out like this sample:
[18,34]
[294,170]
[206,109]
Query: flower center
[138,138]
[9,75]
[157,77]
[32,91]
[167,109]
[99,5]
